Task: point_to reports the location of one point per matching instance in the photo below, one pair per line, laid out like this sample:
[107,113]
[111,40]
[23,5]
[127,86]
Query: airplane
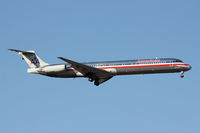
[100,72]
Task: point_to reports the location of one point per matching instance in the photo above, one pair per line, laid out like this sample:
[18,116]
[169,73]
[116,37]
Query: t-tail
[31,58]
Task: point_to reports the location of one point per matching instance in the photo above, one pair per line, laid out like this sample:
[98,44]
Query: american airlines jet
[100,72]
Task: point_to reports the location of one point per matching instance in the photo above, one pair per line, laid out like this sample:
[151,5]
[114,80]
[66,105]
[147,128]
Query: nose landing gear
[182,74]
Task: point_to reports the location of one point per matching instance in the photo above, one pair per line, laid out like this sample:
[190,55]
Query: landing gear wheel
[182,74]
[96,83]
[90,79]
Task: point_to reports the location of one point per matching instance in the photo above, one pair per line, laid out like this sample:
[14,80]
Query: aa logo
[34,61]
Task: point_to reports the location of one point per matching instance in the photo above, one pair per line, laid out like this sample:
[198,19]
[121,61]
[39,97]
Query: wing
[93,73]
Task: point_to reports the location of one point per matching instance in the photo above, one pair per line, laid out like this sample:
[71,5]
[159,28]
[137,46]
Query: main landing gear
[90,79]
[96,81]
[93,78]
[182,74]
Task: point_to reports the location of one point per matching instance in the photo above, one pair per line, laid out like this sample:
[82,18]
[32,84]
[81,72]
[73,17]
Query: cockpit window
[177,60]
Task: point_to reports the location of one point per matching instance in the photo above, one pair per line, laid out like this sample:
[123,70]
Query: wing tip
[60,58]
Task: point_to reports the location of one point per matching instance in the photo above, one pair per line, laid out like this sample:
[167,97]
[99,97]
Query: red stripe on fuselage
[133,66]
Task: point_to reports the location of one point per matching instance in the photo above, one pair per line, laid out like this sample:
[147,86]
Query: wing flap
[102,80]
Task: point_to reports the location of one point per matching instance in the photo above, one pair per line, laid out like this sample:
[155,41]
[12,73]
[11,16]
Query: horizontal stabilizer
[25,52]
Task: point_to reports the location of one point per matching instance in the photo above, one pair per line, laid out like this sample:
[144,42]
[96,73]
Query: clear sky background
[89,30]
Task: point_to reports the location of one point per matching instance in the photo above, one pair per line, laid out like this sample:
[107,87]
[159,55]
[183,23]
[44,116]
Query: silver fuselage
[126,67]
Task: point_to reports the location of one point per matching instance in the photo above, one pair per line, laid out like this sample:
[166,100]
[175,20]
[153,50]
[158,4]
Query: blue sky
[99,31]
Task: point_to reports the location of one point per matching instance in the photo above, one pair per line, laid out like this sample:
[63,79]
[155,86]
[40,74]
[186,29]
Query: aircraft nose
[189,67]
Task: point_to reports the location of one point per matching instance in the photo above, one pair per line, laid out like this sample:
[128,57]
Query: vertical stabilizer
[31,58]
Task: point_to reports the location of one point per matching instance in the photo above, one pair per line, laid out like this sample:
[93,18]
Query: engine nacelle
[111,70]
[55,68]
